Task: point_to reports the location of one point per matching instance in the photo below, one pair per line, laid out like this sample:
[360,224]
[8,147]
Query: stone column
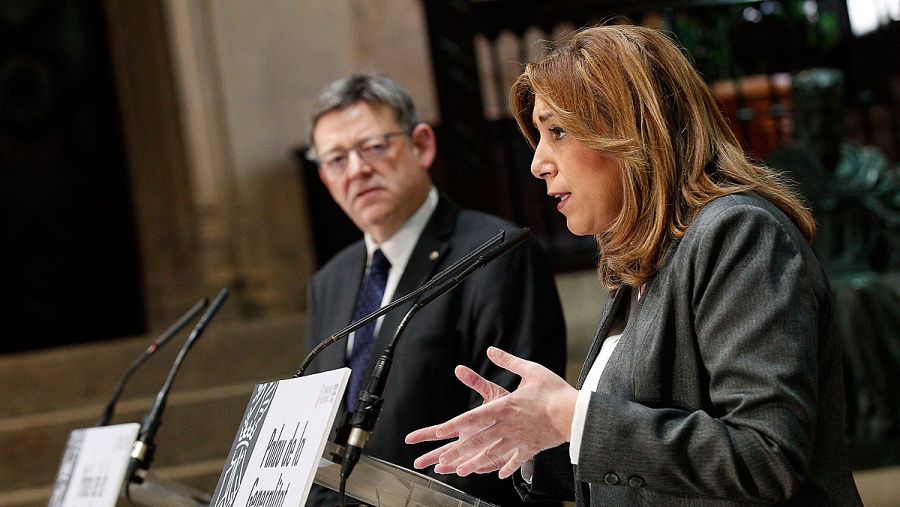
[155,151]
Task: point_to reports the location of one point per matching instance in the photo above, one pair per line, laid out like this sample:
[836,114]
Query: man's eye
[335,161]
[374,148]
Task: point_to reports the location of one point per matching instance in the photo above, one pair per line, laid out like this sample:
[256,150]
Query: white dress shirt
[398,249]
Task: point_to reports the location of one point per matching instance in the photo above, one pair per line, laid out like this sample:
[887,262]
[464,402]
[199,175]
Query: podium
[155,491]
[382,484]
[376,482]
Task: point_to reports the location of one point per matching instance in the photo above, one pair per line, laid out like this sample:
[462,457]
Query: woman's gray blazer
[725,387]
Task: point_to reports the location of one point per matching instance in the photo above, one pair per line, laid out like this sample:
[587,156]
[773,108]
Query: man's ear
[425,144]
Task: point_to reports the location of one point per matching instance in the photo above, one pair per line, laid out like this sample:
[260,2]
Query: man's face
[378,195]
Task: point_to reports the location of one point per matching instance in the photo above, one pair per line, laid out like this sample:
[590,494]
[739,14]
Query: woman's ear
[425,144]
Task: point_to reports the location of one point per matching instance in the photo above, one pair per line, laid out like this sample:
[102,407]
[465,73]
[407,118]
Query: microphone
[142,452]
[370,399]
[151,349]
[437,279]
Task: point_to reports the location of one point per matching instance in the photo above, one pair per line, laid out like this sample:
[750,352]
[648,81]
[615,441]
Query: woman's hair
[630,93]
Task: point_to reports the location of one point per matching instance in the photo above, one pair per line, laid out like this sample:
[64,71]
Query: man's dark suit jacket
[510,303]
[725,387]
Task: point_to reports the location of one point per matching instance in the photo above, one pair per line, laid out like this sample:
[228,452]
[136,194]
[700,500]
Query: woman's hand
[509,428]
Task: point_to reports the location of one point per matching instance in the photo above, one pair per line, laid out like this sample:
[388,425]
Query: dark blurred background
[69,254]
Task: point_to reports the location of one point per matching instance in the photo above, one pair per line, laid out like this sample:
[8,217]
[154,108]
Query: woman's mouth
[562,197]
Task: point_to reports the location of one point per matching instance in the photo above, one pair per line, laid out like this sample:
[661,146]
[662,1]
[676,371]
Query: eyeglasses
[370,150]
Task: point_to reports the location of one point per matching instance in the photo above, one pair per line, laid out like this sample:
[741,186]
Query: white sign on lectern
[93,466]
[276,451]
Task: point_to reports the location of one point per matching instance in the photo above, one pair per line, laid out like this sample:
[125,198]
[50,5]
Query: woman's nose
[541,166]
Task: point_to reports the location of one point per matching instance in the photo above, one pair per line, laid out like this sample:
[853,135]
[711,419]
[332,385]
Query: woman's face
[586,183]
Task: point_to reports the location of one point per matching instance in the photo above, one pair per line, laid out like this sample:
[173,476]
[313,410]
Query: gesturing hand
[509,428]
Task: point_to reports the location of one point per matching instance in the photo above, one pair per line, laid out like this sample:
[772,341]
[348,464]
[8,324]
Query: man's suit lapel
[342,308]
[423,263]
[612,308]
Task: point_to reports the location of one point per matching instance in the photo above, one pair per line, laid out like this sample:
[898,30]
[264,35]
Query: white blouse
[593,377]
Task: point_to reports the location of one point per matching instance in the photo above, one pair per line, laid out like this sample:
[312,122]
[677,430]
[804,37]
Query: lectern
[382,484]
[374,482]
[155,491]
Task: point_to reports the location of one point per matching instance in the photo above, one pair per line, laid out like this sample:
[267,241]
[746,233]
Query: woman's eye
[557,133]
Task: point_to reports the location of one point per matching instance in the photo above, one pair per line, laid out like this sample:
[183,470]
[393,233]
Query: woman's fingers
[487,389]
[504,455]
[428,434]
[504,432]
[467,423]
[444,469]
[515,462]
[488,460]
[431,457]
[465,449]
[462,425]
[473,456]
[509,362]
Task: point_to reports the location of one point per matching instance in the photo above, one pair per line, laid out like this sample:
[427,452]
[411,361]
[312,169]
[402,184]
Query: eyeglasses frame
[356,148]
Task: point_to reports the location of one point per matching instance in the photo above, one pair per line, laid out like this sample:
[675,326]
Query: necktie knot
[380,267]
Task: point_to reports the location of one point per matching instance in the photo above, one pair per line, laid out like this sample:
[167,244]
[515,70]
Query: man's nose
[356,165]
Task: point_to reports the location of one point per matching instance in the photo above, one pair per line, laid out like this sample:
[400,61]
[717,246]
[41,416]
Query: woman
[713,378]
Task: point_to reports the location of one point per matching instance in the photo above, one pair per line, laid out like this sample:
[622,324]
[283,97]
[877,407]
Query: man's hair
[371,88]
[630,93]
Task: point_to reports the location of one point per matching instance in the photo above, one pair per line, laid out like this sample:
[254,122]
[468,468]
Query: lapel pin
[433,255]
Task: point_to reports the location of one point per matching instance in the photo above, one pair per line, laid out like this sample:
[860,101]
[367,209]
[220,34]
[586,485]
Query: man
[373,157]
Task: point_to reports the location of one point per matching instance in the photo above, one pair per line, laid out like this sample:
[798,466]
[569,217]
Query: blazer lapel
[613,306]
[342,308]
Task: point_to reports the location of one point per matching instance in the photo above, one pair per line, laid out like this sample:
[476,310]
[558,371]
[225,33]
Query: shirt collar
[399,247]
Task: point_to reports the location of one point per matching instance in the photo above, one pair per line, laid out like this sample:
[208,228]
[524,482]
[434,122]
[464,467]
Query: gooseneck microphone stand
[151,349]
[144,447]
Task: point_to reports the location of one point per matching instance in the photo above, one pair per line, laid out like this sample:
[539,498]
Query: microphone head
[178,325]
